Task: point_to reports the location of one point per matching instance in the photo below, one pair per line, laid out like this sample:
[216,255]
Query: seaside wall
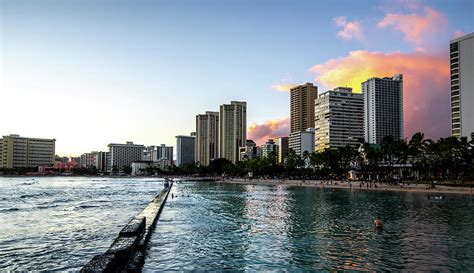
[128,251]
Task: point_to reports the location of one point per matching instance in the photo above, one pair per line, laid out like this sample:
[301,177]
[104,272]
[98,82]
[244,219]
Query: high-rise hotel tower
[302,117]
[462,86]
[207,137]
[232,129]
[383,108]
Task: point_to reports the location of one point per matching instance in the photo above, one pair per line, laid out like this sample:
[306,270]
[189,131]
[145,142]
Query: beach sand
[335,184]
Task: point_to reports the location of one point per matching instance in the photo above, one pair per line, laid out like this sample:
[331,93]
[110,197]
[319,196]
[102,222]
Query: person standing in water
[378,222]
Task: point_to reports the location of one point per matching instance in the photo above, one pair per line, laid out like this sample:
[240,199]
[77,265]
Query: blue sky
[93,72]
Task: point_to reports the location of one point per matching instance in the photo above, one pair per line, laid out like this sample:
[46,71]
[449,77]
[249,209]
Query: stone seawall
[128,251]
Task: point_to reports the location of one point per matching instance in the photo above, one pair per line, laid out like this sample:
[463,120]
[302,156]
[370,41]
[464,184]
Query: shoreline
[338,184]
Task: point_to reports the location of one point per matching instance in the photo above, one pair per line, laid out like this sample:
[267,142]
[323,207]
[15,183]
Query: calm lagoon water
[60,223]
[242,227]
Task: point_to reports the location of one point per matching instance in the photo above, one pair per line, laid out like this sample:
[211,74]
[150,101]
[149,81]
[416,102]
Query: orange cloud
[417,29]
[260,133]
[350,29]
[283,87]
[426,84]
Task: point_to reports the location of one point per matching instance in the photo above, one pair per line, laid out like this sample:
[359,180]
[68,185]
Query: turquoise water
[240,227]
[60,223]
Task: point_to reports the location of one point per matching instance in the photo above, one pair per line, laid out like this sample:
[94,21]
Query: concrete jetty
[128,251]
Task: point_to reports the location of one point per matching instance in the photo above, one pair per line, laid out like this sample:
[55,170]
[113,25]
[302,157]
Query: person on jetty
[378,222]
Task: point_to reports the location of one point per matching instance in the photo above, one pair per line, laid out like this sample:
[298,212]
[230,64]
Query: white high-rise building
[462,86]
[185,150]
[383,108]
[269,147]
[232,129]
[302,141]
[207,137]
[122,155]
[339,119]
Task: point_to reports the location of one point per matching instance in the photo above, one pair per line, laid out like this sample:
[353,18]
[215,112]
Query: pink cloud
[350,29]
[458,34]
[283,87]
[417,29]
[426,84]
[260,133]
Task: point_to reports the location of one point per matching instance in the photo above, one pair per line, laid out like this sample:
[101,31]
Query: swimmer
[377,222]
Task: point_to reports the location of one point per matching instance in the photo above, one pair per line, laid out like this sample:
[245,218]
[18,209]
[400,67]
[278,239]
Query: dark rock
[101,263]
[135,227]
[136,262]
[123,248]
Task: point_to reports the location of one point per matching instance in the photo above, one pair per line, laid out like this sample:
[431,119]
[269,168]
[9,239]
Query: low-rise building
[249,151]
[282,143]
[269,147]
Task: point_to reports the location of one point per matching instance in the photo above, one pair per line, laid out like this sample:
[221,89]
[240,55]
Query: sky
[89,73]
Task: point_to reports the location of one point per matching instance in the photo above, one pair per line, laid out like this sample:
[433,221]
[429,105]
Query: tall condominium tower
[232,129]
[383,108]
[339,118]
[207,137]
[462,86]
[302,107]
[122,155]
[23,152]
[185,151]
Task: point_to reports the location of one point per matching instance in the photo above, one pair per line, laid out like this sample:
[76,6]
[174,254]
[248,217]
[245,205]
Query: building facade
[207,138]
[122,155]
[302,107]
[383,108]
[249,151]
[25,152]
[282,143]
[232,129]
[269,147]
[99,160]
[302,141]
[339,119]
[185,150]
[462,86]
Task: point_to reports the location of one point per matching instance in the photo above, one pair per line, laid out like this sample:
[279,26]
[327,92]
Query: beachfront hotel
[207,137]
[185,149]
[232,129]
[339,118]
[301,114]
[302,106]
[462,86]
[302,141]
[99,160]
[122,155]
[269,147]
[383,108]
[25,152]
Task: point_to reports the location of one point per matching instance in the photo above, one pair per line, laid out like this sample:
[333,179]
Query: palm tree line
[417,159]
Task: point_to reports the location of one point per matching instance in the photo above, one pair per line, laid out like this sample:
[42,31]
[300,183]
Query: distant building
[23,152]
[269,147]
[207,137]
[140,167]
[282,143]
[462,86]
[339,119]
[185,149]
[122,155]
[99,160]
[302,107]
[249,151]
[383,108]
[302,141]
[232,129]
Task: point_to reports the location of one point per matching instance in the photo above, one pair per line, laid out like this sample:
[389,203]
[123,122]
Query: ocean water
[211,226]
[60,223]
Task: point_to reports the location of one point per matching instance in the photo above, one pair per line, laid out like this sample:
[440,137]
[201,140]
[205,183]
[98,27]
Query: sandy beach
[355,185]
